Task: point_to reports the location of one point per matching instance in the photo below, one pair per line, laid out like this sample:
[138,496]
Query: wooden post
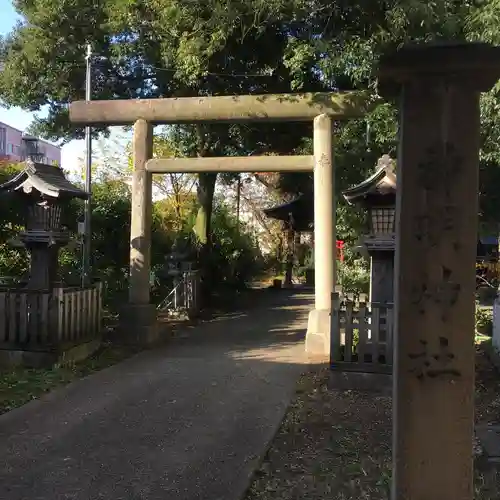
[56,327]
[4,327]
[99,306]
[437,211]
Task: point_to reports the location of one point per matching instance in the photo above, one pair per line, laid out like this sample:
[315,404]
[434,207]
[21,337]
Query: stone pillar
[139,316]
[436,218]
[318,330]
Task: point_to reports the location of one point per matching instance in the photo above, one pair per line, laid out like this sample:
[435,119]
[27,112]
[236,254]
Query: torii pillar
[436,217]
[138,317]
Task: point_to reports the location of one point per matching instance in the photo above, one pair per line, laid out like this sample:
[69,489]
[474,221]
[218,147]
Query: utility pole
[87,237]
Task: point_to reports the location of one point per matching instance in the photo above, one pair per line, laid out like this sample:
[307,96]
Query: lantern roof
[48,180]
[380,188]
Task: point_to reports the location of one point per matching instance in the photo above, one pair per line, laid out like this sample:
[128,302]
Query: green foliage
[235,258]
[185,48]
[354,276]
[13,261]
[484,321]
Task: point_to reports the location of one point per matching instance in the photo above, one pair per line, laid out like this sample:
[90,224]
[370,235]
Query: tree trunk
[289,256]
[202,229]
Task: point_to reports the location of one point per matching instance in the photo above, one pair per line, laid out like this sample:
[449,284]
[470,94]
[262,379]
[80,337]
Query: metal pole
[87,238]
[238,198]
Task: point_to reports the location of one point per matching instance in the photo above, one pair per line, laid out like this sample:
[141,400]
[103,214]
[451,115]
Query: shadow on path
[189,420]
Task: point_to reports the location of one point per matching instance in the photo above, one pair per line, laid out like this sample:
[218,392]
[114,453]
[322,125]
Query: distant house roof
[49,180]
[380,187]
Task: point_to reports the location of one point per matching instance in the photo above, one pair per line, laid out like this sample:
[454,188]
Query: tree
[184,48]
[484,25]
[13,261]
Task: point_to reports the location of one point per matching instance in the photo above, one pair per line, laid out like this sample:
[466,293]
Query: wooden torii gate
[437,208]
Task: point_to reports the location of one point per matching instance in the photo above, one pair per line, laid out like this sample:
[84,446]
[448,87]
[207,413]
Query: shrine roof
[49,180]
[381,185]
[300,212]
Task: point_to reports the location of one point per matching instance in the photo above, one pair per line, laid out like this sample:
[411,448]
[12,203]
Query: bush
[354,276]
[235,257]
[14,262]
[484,321]
[305,260]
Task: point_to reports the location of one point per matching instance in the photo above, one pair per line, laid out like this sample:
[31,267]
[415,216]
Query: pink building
[17,146]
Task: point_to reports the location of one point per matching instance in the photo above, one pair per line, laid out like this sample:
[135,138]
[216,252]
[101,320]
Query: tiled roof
[382,182]
[47,179]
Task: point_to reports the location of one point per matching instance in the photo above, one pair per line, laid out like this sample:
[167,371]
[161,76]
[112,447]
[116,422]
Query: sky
[71,153]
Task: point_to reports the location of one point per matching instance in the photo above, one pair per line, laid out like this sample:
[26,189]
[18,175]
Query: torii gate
[139,316]
[436,217]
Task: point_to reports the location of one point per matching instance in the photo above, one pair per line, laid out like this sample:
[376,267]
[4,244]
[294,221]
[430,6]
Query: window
[382,220]
[3,140]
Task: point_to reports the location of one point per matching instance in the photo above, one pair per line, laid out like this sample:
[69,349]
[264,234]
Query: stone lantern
[45,192]
[377,195]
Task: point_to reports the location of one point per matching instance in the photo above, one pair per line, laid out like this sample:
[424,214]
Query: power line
[97,64]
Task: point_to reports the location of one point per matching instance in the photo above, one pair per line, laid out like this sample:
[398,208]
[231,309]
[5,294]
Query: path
[187,421]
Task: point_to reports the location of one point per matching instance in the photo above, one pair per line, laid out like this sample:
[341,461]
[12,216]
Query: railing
[496,325]
[38,320]
[361,335]
[184,297]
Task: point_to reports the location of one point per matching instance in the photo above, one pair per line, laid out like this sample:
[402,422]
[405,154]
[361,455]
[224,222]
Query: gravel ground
[336,445]
[189,420]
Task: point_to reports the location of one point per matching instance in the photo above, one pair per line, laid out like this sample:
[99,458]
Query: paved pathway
[187,421]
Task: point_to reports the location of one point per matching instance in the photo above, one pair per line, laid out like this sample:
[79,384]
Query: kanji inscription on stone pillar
[437,211]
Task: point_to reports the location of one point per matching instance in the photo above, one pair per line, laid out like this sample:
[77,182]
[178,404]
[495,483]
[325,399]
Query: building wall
[13,148]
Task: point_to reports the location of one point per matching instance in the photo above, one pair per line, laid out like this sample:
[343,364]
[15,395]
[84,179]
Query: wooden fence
[39,320]
[361,335]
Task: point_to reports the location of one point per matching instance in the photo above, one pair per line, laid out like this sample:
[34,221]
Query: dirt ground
[336,445]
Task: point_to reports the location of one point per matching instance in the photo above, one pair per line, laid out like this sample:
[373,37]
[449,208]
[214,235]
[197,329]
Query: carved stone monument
[438,88]
[377,194]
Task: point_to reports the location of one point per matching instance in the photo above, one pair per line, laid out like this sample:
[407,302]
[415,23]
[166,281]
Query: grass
[21,385]
[336,444]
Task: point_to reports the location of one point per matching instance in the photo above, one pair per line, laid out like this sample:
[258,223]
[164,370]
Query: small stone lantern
[45,192]
[377,194]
